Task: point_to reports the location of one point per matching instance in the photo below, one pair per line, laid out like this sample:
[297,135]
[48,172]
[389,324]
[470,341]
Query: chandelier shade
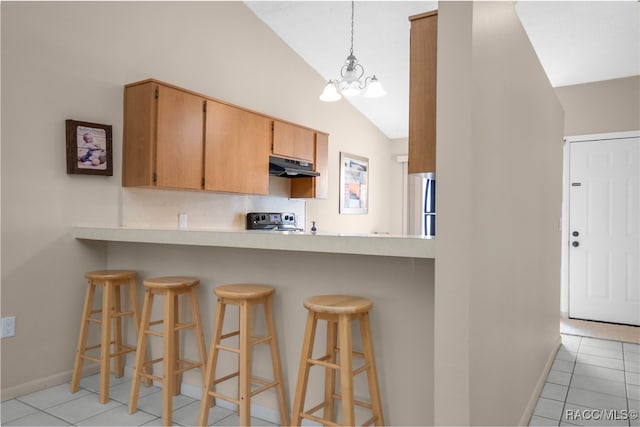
[330,93]
[351,81]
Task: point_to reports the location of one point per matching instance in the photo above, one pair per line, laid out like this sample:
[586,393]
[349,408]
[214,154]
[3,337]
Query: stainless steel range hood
[290,168]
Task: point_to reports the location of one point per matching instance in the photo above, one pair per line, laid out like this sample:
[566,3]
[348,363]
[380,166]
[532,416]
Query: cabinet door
[137,135]
[316,187]
[422,94]
[179,143]
[293,141]
[236,150]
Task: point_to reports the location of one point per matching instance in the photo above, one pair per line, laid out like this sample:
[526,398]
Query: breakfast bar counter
[395,272]
[356,244]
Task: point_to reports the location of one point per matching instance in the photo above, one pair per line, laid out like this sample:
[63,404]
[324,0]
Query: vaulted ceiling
[576,42]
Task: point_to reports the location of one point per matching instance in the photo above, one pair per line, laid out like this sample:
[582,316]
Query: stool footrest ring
[151,377]
[323,363]
[225,348]
[230,334]
[187,365]
[318,419]
[181,326]
[267,385]
[223,397]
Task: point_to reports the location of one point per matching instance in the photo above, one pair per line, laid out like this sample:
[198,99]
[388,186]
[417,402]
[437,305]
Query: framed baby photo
[89,148]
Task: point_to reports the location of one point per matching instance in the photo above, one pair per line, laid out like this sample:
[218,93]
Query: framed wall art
[354,184]
[89,149]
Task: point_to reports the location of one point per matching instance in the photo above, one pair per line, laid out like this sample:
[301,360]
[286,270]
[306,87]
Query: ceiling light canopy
[351,82]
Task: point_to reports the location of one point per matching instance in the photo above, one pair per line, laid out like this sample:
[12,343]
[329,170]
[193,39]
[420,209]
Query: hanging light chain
[352,9]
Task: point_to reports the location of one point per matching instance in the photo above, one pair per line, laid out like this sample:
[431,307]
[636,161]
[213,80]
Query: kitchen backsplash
[141,207]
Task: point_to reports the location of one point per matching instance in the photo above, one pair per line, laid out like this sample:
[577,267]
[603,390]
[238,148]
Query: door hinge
[203,182]
[157,93]
[204,106]
[155,178]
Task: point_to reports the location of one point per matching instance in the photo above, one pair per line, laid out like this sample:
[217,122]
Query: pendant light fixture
[351,83]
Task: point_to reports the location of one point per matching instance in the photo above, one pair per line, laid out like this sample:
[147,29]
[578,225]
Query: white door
[604,236]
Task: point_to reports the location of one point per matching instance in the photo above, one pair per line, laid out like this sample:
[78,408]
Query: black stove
[272,221]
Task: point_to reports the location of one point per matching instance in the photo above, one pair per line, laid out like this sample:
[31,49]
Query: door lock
[575,244]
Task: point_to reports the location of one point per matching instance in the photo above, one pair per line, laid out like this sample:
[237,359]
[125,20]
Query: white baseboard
[42,383]
[533,401]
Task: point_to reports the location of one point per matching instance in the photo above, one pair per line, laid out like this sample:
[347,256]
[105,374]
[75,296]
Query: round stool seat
[111,275]
[338,304]
[243,291]
[171,282]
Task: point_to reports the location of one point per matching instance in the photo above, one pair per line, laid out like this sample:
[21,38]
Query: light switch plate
[8,327]
[182,220]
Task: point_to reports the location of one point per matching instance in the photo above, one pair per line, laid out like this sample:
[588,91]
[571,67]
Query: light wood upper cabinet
[422,93]
[293,141]
[237,150]
[315,187]
[179,153]
[138,151]
[176,138]
[163,138]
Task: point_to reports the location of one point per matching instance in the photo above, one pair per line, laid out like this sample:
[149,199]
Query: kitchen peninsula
[396,272]
[344,243]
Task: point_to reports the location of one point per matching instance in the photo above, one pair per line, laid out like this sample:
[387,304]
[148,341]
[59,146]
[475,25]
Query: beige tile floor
[597,367]
[57,406]
[595,378]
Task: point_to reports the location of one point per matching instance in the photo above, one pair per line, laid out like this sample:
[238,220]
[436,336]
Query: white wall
[601,107]
[499,143]
[609,106]
[70,60]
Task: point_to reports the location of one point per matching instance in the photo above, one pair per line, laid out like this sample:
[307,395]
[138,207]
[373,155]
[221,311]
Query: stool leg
[245,364]
[169,357]
[177,384]
[117,330]
[211,364]
[105,347]
[197,319]
[330,373]
[346,375]
[82,339]
[303,370]
[141,350]
[133,302]
[372,376]
[275,361]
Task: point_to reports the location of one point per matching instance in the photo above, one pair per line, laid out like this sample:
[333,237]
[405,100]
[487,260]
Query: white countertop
[357,244]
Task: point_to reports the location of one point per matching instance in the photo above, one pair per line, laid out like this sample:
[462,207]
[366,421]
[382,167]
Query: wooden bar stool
[111,322]
[245,296]
[173,366]
[339,311]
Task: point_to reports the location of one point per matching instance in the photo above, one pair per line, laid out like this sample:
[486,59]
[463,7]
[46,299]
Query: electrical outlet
[8,327]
